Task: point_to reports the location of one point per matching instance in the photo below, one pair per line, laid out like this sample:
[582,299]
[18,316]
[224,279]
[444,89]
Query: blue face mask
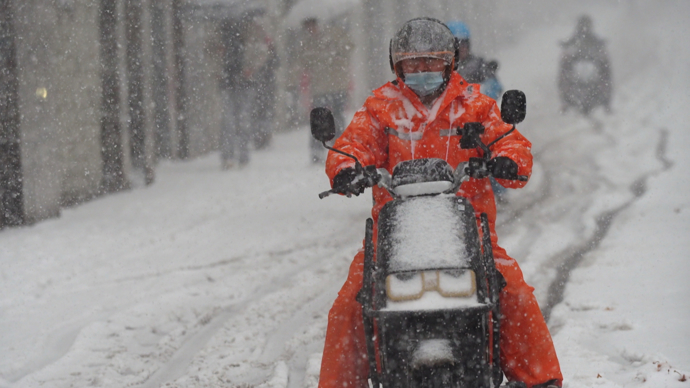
[424,84]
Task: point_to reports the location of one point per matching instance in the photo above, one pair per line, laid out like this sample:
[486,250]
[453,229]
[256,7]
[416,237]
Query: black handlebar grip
[325,194]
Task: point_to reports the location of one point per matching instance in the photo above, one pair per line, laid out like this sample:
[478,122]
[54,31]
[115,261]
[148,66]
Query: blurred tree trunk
[162,133]
[138,86]
[135,84]
[11,197]
[111,131]
[179,77]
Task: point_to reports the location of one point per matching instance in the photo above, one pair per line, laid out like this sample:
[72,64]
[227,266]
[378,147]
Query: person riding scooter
[584,80]
[411,118]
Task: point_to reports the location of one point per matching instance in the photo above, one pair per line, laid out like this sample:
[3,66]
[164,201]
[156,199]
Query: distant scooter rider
[407,119]
[475,70]
[580,85]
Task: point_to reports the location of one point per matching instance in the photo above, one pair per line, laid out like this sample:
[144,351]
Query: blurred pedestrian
[325,59]
[266,76]
[246,50]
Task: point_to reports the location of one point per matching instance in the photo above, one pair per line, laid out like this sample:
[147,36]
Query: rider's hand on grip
[502,167]
[346,182]
[477,168]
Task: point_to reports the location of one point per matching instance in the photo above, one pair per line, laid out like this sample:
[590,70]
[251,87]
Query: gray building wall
[60,96]
[35,26]
[78,99]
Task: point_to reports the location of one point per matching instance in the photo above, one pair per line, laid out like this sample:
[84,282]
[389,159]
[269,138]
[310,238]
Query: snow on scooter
[430,292]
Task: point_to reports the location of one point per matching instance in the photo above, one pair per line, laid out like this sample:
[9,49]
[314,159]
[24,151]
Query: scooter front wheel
[437,376]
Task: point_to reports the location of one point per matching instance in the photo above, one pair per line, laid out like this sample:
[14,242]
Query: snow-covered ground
[615,202]
[216,278]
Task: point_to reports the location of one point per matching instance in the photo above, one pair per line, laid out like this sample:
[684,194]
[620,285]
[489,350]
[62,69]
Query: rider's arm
[514,146]
[364,139]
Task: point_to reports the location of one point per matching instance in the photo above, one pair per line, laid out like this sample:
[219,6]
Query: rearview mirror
[513,107]
[322,124]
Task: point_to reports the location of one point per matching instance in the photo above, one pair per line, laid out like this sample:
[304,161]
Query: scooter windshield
[428,234]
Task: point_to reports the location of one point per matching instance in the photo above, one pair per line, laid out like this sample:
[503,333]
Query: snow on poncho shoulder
[428,234]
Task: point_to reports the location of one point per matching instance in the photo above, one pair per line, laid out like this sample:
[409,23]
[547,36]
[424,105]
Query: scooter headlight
[455,283]
[405,286]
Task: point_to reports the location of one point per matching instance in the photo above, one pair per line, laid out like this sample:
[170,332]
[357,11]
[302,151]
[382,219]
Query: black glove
[477,168]
[502,167]
[344,182]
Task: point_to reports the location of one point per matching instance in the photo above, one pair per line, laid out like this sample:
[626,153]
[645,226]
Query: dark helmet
[422,38]
[584,25]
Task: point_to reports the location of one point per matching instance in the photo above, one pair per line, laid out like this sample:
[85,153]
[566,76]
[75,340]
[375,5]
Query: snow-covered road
[129,288]
[224,279]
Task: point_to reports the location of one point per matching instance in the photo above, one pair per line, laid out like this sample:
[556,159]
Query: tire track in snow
[529,225]
[57,346]
[224,262]
[572,256]
[510,214]
[179,363]
[62,340]
[276,342]
[275,347]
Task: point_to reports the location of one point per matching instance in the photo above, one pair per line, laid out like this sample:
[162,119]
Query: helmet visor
[423,38]
[447,56]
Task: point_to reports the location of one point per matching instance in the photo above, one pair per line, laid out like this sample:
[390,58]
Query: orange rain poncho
[393,126]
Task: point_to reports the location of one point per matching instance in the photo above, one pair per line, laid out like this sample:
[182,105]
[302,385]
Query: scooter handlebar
[326,194]
[369,177]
